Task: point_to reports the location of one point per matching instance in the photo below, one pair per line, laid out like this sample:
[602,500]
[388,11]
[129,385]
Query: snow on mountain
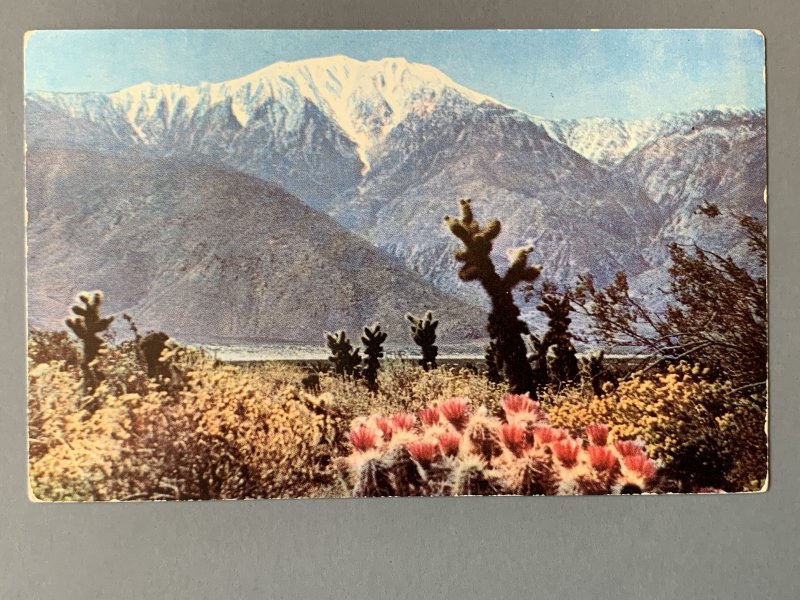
[387,147]
[607,141]
[365,99]
[602,140]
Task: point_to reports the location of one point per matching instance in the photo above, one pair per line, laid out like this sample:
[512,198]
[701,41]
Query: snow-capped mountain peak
[366,99]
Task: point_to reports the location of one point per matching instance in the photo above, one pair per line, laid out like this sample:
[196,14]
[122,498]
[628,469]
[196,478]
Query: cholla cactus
[505,326]
[452,450]
[153,346]
[372,339]
[345,359]
[537,358]
[591,371]
[556,354]
[423,332]
[87,325]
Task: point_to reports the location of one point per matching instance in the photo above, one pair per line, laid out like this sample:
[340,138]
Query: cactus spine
[372,339]
[86,326]
[505,326]
[345,359]
[423,332]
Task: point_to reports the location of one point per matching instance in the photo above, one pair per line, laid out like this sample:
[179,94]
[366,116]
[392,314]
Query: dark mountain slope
[210,255]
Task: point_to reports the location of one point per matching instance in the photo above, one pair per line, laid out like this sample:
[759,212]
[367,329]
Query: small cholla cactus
[591,371]
[505,327]
[346,360]
[451,450]
[87,325]
[153,346]
[556,353]
[372,339]
[310,383]
[423,332]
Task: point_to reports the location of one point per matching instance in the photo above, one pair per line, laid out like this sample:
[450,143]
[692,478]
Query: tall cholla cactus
[505,326]
[87,325]
[450,450]
[556,354]
[423,332]
[345,359]
[372,339]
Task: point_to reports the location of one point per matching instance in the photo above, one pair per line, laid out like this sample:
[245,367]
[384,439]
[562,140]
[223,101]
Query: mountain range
[383,150]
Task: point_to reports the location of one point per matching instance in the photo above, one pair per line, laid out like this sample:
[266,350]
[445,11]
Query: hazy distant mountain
[608,141]
[387,147]
[210,255]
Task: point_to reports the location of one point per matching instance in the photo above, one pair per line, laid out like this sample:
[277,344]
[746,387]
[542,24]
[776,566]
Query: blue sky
[552,73]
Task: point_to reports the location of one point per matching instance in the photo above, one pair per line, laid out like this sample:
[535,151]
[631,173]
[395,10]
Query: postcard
[316,264]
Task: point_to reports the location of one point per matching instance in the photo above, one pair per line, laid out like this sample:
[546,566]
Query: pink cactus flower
[404,422]
[602,458]
[598,434]
[513,437]
[455,411]
[429,416]
[363,438]
[423,451]
[641,465]
[548,435]
[566,451]
[629,447]
[449,442]
[516,403]
[386,428]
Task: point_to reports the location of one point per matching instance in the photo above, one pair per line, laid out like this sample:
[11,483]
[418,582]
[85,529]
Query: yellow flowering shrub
[704,434]
[222,434]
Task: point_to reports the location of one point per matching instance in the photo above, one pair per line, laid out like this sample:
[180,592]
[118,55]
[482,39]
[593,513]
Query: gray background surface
[743,546]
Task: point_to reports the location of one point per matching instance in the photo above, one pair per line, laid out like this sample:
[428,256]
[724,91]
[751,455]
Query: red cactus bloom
[566,452]
[423,451]
[629,447]
[386,428]
[429,416]
[598,434]
[449,442]
[602,458]
[513,437]
[404,421]
[363,438]
[455,411]
[548,435]
[640,464]
[516,403]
